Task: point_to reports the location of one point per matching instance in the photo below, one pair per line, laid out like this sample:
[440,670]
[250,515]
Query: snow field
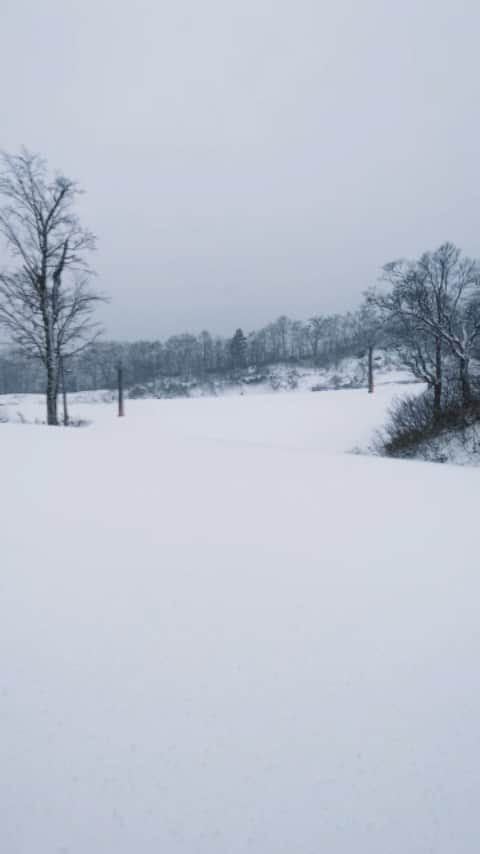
[222,633]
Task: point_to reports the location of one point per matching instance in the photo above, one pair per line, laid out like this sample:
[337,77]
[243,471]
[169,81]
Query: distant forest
[322,340]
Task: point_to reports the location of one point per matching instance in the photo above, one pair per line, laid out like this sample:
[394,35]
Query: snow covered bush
[413,425]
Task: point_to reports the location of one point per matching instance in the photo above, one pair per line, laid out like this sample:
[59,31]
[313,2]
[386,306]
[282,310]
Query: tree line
[319,341]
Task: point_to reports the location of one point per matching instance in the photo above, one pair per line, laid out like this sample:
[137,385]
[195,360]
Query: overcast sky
[248,158]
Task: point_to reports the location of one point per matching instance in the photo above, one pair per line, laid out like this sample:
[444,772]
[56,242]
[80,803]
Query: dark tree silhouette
[46,303]
[238,349]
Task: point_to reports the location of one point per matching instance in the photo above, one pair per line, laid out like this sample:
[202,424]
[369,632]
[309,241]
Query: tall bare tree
[46,302]
[436,299]
[370,327]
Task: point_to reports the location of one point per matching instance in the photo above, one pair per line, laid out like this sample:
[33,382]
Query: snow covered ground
[220,633]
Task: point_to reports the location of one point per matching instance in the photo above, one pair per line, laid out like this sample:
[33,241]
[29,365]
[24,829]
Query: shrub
[137,392]
[411,421]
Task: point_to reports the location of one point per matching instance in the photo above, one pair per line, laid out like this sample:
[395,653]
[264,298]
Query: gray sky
[250,158]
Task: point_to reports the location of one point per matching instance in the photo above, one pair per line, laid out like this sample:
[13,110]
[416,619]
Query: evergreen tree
[238,349]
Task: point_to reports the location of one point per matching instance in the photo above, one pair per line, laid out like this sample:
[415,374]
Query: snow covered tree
[46,304]
[435,299]
[370,332]
[316,327]
[238,349]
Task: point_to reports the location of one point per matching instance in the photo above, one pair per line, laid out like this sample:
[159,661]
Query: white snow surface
[219,632]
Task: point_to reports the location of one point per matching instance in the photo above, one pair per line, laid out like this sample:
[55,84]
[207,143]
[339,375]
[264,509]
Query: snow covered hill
[222,633]
[347,373]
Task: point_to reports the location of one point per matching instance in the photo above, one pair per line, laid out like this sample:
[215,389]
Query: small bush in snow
[412,422]
[137,392]
[79,422]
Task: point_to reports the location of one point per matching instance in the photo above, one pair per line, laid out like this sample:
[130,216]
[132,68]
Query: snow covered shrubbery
[160,388]
[409,420]
[414,429]
[254,379]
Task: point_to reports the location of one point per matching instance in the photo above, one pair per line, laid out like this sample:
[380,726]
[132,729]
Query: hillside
[346,373]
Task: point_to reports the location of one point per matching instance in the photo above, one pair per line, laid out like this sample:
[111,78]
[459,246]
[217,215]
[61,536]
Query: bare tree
[46,302]
[370,334]
[436,302]
[423,354]
[315,332]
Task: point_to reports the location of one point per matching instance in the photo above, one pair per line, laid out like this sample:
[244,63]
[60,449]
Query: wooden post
[64,393]
[370,370]
[121,407]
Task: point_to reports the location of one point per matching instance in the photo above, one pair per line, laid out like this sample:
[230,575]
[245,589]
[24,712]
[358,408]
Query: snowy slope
[220,633]
[348,373]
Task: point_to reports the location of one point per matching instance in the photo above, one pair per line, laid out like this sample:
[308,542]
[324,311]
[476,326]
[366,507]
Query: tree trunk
[465,381]
[370,370]
[64,395]
[437,401]
[437,388]
[51,361]
[52,389]
[52,416]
